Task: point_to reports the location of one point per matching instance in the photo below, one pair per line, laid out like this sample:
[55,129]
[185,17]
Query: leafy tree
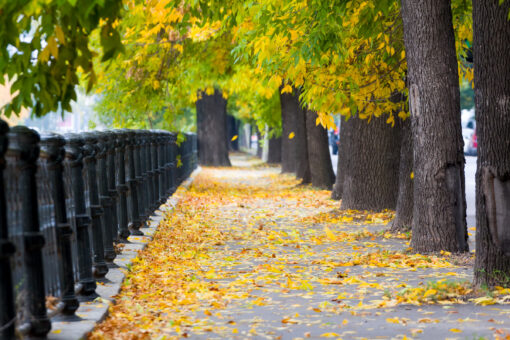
[45,45]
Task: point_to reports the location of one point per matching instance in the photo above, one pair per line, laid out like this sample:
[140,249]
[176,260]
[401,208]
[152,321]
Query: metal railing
[65,201]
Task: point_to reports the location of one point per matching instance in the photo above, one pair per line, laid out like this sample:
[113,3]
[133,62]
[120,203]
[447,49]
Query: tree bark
[343,158]
[301,144]
[212,129]
[371,173]
[439,221]
[233,130]
[321,170]
[289,106]
[491,53]
[404,212]
[274,152]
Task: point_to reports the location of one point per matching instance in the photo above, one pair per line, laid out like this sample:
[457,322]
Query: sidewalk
[249,254]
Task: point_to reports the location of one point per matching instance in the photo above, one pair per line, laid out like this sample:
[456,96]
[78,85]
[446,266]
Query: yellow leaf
[60,34]
[484,301]
[430,292]
[52,45]
[455,330]
[292,135]
[44,56]
[234,138]
[412,175]
[155,84]
[178,47]
[392,320]
[56,331]
[206,312]
[287,89]
[391,120]
[330,234]
[329,335]
[235,331]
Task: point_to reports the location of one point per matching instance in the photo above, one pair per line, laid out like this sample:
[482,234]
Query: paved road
[470,171]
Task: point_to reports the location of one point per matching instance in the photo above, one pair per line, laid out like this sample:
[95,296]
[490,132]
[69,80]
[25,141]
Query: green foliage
[45,44]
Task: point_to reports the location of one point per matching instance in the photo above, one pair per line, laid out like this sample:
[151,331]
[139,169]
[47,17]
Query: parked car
[472,145]
[333,141]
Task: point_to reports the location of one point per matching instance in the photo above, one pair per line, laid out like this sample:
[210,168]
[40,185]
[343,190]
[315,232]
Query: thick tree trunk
[491,53]
[274,150]
[289,105]
[404,214]
[321,169]
[343,157]
[259,143]
[439,221]
[212,129]
[371,173]
[302,163]
[233,130]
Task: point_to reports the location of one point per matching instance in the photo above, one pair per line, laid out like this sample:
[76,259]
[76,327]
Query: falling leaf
[291,135]
[234,138]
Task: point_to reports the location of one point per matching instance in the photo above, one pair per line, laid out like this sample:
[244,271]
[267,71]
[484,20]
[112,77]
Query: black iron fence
[65,202]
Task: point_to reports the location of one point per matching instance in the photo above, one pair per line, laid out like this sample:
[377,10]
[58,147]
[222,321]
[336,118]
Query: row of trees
[390,68]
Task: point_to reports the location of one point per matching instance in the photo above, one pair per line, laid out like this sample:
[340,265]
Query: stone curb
[92,312]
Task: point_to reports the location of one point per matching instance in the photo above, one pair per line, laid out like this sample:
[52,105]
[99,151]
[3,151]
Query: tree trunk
[321,169]
[301,142]
[289,105]
[212,129]
[274,152]
[233,130]
[371,173]
[343,157]
[491,53]
[404,214]
[439,221]
[259,142]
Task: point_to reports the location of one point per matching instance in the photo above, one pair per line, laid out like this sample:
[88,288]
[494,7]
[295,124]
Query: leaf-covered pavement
[248,253]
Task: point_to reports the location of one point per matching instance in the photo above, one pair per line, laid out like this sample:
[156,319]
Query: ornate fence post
[182,155]
[74,165]
[187,156]
[111,180]
[7,249]
[139,177]
[135,221]
[155,167]
[22,156]
[104,197]
[146,174]
[172,163]
[52,154]
[155,170]
[193,152]
[122,187]
[152,174]
[95,209]
[161,167]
